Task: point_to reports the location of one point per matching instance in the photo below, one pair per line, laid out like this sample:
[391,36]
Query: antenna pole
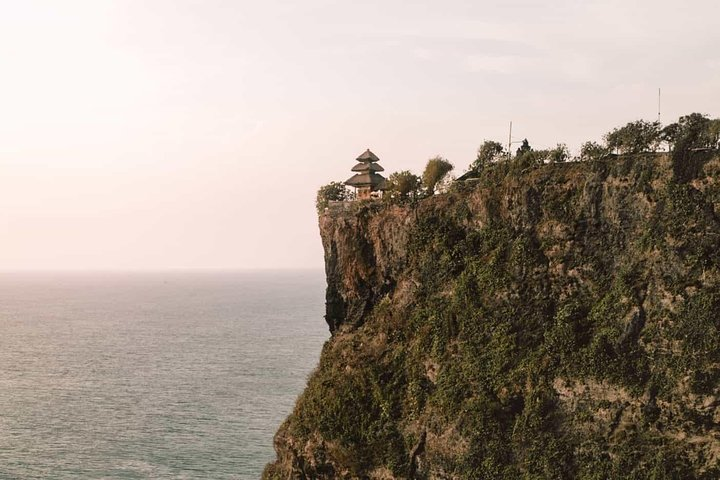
[658,104]
[510,141]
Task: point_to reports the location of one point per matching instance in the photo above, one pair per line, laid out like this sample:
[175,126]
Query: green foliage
[713,133]
[435,171]
[403,186]
[332,192]
[559,154]
[697,330]
[670,134]
[691,132]
[357,407]
[604,275]
[592,151]
[524,148]
[526,160]
[635,137]
[489,152]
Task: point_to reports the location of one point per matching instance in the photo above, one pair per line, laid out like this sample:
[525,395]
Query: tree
[490,151]
[527,157]
[559,154]
[592,151]
[635,137]
[524,148]
[435,170]
[403,185]
[714,131]
[670,134]
[692,131]
[332,192]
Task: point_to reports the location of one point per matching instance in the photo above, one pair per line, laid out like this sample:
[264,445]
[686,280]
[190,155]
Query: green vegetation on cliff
[539,322]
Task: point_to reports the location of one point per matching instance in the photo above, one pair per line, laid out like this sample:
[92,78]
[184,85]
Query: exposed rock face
[556,322]
[365,254]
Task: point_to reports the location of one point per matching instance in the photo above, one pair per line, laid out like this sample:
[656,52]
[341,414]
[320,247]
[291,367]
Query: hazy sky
[177,133]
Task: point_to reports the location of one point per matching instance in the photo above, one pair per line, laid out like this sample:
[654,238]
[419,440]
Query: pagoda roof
[368,166]
[368,156]
[368,179]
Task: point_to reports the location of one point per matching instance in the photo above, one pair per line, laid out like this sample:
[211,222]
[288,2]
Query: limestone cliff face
[365,255]
[554,322]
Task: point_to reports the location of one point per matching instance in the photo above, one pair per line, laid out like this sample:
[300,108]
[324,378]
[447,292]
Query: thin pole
[658,104]
[510,141]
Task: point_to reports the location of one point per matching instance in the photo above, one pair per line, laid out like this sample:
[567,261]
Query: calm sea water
[152,375]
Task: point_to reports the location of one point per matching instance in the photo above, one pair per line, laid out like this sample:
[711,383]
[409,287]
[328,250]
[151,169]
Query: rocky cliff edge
[554,322]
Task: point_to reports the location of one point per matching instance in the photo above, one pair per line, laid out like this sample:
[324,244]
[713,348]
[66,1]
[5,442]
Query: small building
[367,181]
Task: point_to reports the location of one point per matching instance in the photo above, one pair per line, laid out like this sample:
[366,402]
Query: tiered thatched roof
[367,176]
[368,156]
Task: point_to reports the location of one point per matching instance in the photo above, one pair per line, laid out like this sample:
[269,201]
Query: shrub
[559,154]
[403,186]
[692,131]
[635,137]
[524,148]
[489,152]
[332,192]
[714,132]
[436,170]
[592,151]
[529,158]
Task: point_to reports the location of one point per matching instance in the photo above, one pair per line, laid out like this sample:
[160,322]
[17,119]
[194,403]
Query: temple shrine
[367,181]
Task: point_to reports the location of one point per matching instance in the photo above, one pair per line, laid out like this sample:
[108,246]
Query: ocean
[152,375]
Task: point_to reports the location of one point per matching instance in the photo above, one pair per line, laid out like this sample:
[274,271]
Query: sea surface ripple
[152,375]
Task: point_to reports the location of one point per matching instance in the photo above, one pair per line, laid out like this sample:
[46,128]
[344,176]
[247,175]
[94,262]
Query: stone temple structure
[367,181]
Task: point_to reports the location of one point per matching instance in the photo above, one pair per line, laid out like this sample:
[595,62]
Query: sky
[154,134]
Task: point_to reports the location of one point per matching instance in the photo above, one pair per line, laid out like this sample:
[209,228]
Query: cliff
[553,322]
